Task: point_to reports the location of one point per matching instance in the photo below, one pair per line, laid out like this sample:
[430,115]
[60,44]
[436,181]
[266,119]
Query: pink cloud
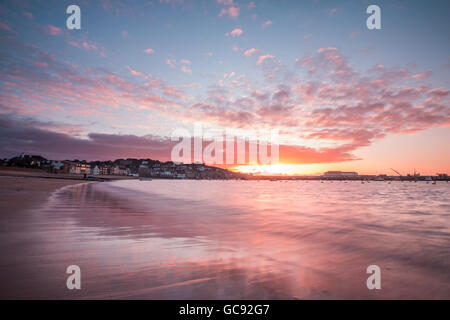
[332,104]
[183,62]
[88,46]
[171,63]
[5,27]
[264,57]
[422,76]
[232,12]
[250,52]
[251,5]
[52,30]
[73,44]
[185,69]
[235,33]
[149,51]
[333,11]
[174,92]
[137,73]
[266,24]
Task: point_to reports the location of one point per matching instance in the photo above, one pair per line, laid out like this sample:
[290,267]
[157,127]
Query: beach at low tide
[169,239]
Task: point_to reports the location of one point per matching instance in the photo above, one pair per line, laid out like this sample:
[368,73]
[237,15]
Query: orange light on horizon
[277,169]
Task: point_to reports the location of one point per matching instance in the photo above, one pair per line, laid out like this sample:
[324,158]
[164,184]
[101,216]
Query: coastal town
[148,168]
[142,168]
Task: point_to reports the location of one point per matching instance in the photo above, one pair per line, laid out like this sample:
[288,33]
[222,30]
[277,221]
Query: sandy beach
[159,240]
[18,194]
[22,189]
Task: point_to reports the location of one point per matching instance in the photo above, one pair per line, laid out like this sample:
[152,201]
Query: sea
[208,239]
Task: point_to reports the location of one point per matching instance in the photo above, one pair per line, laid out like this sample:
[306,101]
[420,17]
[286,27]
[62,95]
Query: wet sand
[18,197]
[227,240]
[18,194]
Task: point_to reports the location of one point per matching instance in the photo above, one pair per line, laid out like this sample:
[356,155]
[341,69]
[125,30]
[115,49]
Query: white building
[95,170]
[340,174]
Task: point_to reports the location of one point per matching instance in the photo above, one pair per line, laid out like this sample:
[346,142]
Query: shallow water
[172,239]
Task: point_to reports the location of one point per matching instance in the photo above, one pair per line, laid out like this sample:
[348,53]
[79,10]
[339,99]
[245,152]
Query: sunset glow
[276,169]
[216,155]
[342,96]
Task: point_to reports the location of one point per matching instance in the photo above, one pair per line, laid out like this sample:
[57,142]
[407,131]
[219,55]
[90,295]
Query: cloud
[45,85]
[330,60]
[149,51]
[251,5]
[250,52]
[333,11]
[171,63]
[25,135]
[323,101]
[88,46]
[264,57]
[232,12]
[5,27]
[185,69]
[52,30]
[422,76]
[266,24]
[183,63]
[138,73]
[34,137]
[173,92]
[235,33]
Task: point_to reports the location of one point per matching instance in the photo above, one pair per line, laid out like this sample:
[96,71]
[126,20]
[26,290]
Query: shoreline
[19,194]
[22,190]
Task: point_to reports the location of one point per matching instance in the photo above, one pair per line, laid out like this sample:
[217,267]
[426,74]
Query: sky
[341,96]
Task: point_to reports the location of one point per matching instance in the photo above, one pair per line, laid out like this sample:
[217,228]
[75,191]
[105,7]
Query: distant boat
[434,182]
[379,179]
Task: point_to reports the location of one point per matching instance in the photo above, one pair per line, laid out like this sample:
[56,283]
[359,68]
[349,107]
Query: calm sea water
[169,239]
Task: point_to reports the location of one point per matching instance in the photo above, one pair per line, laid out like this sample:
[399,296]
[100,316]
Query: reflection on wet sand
[234,240]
